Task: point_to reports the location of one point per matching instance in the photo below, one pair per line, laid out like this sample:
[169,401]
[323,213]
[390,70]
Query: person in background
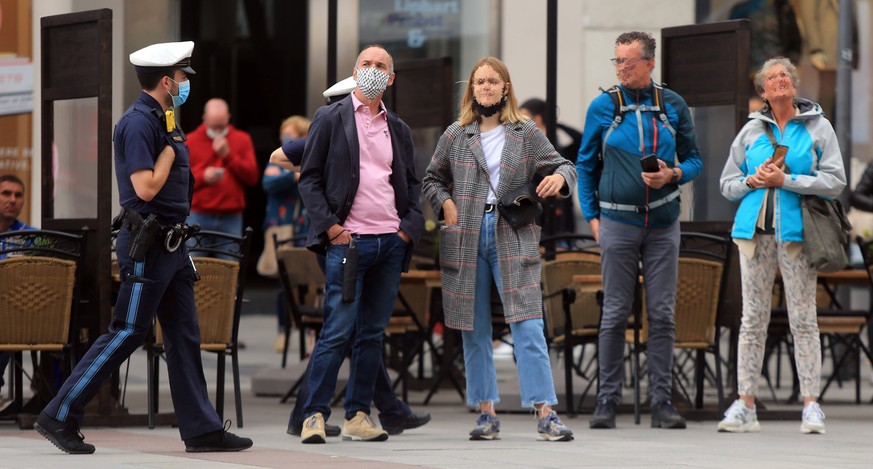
[490,151]
[11,204]
[634,215]
[561,214]
[284,206]
[154,181]
[359,185]
[223,163]
[769,233]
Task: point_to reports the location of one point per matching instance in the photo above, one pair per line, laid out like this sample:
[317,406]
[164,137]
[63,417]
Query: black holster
[143,237]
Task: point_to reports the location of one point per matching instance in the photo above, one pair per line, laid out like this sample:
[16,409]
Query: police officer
[154,188]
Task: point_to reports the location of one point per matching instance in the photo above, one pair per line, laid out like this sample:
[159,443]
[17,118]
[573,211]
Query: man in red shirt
[223,163]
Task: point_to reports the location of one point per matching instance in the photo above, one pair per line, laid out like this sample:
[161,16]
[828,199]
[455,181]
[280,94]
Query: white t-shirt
[492,147]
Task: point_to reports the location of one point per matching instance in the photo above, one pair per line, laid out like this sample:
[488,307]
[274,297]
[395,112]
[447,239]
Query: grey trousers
[624,247]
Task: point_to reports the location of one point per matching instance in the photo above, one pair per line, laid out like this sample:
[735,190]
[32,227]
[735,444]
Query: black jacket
[862,196]
[330,174]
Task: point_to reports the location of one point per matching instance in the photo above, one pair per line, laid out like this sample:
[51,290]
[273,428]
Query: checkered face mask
[372,81]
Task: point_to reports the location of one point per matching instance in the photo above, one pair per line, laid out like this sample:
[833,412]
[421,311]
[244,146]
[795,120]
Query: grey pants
[624,247]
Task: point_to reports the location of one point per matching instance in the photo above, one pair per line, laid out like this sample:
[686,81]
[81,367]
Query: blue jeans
[380,261]
[230,223]
[531,352]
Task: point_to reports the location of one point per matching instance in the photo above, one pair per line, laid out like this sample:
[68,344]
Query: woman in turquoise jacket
[768,230]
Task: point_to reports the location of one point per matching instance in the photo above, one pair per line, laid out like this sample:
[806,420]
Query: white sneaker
[813,419]
[739,419]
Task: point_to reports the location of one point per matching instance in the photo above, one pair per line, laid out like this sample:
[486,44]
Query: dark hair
[149,81]
[645,39]
[11,178]
[536,107]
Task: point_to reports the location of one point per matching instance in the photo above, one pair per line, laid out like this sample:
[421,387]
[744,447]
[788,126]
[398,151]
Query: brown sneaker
[362,428]
[313,429]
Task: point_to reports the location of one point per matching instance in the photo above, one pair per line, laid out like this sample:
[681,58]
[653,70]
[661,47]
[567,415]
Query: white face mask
[211,133]
[372,81]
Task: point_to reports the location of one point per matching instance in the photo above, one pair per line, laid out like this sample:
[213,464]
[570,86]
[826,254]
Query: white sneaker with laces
[813,419]
[740,419]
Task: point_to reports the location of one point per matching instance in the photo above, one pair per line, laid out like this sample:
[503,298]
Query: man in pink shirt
[359,185]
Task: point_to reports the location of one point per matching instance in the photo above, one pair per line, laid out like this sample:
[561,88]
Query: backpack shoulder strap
[661,108]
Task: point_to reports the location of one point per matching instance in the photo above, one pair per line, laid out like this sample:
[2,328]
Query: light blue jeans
[230,223]
[531,352]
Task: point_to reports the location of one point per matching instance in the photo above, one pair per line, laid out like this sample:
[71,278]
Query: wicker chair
[37,298]
[700,287]
[218,296]
[571,311]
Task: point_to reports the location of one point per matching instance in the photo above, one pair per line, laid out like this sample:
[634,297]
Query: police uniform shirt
[140,136]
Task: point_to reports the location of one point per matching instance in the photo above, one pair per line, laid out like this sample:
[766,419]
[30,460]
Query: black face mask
[488,111]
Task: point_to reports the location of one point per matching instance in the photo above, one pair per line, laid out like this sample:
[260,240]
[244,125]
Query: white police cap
[162,57]
[341,88]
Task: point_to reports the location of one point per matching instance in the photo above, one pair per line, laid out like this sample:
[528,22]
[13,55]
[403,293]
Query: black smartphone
[779,153]
[649,163]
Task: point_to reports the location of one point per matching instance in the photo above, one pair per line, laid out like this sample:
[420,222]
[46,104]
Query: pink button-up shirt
[374,210]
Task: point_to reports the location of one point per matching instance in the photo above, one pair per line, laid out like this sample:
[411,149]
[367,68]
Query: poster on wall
[16,93]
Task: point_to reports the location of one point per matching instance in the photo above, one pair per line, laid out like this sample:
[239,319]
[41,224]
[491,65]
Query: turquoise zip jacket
[620,180]
[814,161]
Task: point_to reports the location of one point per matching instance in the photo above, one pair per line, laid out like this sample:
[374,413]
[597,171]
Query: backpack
[620,108]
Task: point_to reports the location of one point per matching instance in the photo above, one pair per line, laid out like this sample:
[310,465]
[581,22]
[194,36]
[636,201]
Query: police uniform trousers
[170,295]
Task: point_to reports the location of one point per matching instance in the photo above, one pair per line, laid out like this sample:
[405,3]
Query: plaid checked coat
[458,171]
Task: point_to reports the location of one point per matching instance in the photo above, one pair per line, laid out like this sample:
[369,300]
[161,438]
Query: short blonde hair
[510,112]
[300,125]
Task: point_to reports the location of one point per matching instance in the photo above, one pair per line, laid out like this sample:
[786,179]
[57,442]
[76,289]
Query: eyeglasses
[618,62]
[490,81]
[779,75]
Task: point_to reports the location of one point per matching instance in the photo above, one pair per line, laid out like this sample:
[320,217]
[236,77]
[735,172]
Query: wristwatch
[675,176]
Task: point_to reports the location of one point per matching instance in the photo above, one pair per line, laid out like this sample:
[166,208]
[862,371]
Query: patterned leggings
[758,275]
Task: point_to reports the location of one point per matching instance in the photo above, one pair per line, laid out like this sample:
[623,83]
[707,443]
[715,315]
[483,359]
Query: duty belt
[170,236]
[641,208]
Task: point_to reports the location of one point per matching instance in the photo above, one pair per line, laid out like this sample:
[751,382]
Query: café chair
[38,300]
[703,262]
[571,310]
[844,326]
[218,296]
[302,283]
[701,282]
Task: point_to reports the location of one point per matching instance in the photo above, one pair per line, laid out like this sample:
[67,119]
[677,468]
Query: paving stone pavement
[443,443]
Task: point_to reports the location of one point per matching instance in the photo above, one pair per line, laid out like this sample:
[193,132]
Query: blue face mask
[184,90]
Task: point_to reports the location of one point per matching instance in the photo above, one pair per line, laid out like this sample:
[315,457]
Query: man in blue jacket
[359,185]
[633,211]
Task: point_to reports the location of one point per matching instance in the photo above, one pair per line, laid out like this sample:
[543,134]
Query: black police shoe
[396,427]
[604,415]
[329,430]
[217,441]
[664,415]
[64,435]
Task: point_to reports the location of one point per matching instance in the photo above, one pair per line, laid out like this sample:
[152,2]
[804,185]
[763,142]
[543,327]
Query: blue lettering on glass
[427,6]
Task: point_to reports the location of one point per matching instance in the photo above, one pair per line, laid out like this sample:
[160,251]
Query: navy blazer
[331,172]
